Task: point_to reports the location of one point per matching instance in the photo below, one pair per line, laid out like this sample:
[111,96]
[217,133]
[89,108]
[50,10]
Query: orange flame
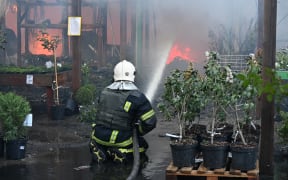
[36,46]
[180,52]
[13,8]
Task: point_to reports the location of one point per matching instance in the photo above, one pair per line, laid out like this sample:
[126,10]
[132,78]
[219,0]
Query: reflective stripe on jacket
[115,119]
[111,113]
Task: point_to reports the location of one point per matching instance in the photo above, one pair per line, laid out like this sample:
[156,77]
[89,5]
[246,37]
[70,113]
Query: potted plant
[85,97]
[182,101]
[13,110]
[217,82]
[249,86]
[51,44]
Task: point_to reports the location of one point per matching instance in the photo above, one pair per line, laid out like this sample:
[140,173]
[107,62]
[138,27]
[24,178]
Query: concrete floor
[56,149]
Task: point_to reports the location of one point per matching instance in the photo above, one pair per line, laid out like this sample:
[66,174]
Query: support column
[76,56]
[19,7]
[267,110]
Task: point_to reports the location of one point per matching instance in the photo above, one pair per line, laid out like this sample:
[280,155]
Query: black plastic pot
[244,158]
[16,149]
[58,112]
[184,155]
[70,107]
[215,155]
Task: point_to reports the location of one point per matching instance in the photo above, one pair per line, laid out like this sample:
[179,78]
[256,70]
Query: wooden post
[267,110]
[260,24]
[104,8]
[75,42]
[19,7]
[260,46]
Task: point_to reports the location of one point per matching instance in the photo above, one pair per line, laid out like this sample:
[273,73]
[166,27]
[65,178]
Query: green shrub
[283,129]
[88,113]
[13,110]
[86,94]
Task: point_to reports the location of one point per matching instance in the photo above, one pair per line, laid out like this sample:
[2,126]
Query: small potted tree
[217,82]
[85,98]
[13,110]
[248,88]
[182,101]
[51,44]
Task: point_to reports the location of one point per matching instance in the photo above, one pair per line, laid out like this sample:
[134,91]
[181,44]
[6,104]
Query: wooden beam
[19,35]
[60,26]
[267,110]
[76,56]
[59,3]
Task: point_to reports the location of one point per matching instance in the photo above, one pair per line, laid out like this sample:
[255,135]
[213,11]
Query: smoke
[4,6]
[187,23]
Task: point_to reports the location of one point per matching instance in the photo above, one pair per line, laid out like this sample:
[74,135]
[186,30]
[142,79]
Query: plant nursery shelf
[173,172]
[39,80]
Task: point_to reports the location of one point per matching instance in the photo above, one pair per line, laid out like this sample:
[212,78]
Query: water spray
[158,72]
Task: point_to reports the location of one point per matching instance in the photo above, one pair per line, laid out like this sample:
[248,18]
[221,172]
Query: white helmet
[124,71]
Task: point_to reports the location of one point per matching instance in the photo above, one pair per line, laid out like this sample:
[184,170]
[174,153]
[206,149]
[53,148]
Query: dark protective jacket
[118,111]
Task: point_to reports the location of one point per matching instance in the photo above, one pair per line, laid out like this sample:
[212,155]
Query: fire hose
[136,154]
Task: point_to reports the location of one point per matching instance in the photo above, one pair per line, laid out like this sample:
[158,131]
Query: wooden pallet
[173,172]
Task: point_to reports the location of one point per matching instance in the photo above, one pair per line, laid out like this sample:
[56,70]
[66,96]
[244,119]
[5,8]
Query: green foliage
[13,110]
[282,59]
[48,43]
[250,87]
[218,88]
[30,69]
[2,38]
[85,69]
[217,82]
[182,98]
[51,44]
[283,129]
[86,94]
[88,113]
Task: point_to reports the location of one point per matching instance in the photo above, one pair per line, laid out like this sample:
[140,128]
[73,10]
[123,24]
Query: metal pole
[267,110]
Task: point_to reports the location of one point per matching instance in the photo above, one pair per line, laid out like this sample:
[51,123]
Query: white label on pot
[28,120]
[29,79]
[229,154]
[22,147]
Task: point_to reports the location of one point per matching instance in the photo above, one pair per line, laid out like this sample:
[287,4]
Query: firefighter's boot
[117,156]
[97,152]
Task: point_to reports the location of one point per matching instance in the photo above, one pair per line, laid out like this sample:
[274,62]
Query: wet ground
[58,150]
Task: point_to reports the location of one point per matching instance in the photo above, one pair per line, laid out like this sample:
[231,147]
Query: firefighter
[121,106]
